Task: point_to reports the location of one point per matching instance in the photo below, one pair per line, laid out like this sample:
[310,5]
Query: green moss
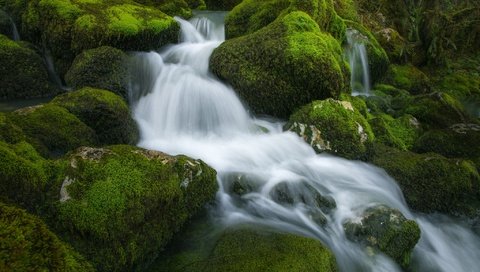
[408,77]
[430,182]
[346,9]
[52,130]
[106,113]
[396,132]
[26,244]
[104,68]
[9,132]
[221,5]
[120,205]
[282,66]
[344,130]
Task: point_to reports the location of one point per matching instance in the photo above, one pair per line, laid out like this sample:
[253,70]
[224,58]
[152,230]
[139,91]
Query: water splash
[358,59]
[186,110]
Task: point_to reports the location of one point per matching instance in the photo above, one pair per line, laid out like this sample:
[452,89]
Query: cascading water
[15,34]
[186,110]
[358,59]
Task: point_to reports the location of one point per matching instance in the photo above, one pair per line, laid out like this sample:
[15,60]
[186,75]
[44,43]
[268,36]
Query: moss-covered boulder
[26,244]
[120,205]
[221,4]
[182,8]
[387,230]
[106,113]
[396,132]
[409,78]
[283,66]
[333,126]
[22,72]
[246,250]
[9,132]
[52,130]
[431,182]
[104,68]
[24,175]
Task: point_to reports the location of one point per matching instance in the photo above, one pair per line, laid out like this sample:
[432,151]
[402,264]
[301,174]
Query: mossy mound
[396,132]
[106,113]
[431,182]
[22,72]
[247,250]
[182,8]
[409,78]
[120,205]
[52,130]
[9,132]
[24,175]
[283,66]
[221,4]
[386,230]
[334,126]
[26,244]
[104,68]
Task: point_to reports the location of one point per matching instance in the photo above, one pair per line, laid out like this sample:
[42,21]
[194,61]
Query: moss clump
[120,205]
[221,5]
[26,244]
[387,230]
[104,68]
[9,132]
[106,113]
[22,72]
[24,175]
[396,132]
[409,78]
[343,130]
[283,66]
[431,182]
[52,130]
[247,250]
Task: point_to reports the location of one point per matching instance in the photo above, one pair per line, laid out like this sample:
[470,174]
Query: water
[52,72]
[15,34]
[358,59]
[186,110]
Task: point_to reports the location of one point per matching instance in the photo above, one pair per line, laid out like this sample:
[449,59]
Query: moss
[27,244]
[106,113]
[282,66]
[387,230]
[431,182]
[23,73]
[221,5]
[342,127]
[5,25]
[395,132]
[9,132]
[409,78]
[249,250]
[346,9]
[52,130]
[120,205]
[104,68]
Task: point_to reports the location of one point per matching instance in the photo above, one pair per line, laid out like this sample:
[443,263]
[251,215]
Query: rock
[27,244]
[409,78]
[282,66]
[120,205]
[106,113]
[103,68]
[386,230]
[9,132]
[399,132]
[52,130]
[431,182]
[337,128]
[222,5]
[22,73]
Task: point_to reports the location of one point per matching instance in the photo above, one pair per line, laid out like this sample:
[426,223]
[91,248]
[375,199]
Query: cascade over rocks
[282,66]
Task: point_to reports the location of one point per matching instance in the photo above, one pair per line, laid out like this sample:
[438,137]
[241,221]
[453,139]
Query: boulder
[409,78]
[400,132]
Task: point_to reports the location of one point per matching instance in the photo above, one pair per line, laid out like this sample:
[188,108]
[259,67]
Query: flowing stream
[181,108]
[357,57]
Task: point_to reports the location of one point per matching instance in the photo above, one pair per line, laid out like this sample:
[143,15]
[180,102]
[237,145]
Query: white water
[15,34]
[186,110]
[358,59]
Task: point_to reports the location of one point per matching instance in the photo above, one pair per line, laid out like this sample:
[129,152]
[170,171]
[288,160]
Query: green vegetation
[26,244]
[395,132]
[106,113]
[221,4]
[283,66]
[120,205]
[409,78]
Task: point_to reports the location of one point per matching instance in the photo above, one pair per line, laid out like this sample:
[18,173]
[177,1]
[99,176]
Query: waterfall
[358,59]
[181,108]
[15,34]
[52,72]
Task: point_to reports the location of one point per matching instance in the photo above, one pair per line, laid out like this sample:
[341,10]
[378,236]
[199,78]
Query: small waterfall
[15,34]
[52,72]
[358,58]
[186,110]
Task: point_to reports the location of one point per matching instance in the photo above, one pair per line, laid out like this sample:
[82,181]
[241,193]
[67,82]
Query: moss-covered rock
[431,182]
[396,132]
[333,126]
[52,130]
[283,66]
[9,132]
[222,4]
[106,113]
[247,250]
[104,68]
[407,77]
[386,230]
[120,205]
[22,73]
[26,244]
[182,8]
